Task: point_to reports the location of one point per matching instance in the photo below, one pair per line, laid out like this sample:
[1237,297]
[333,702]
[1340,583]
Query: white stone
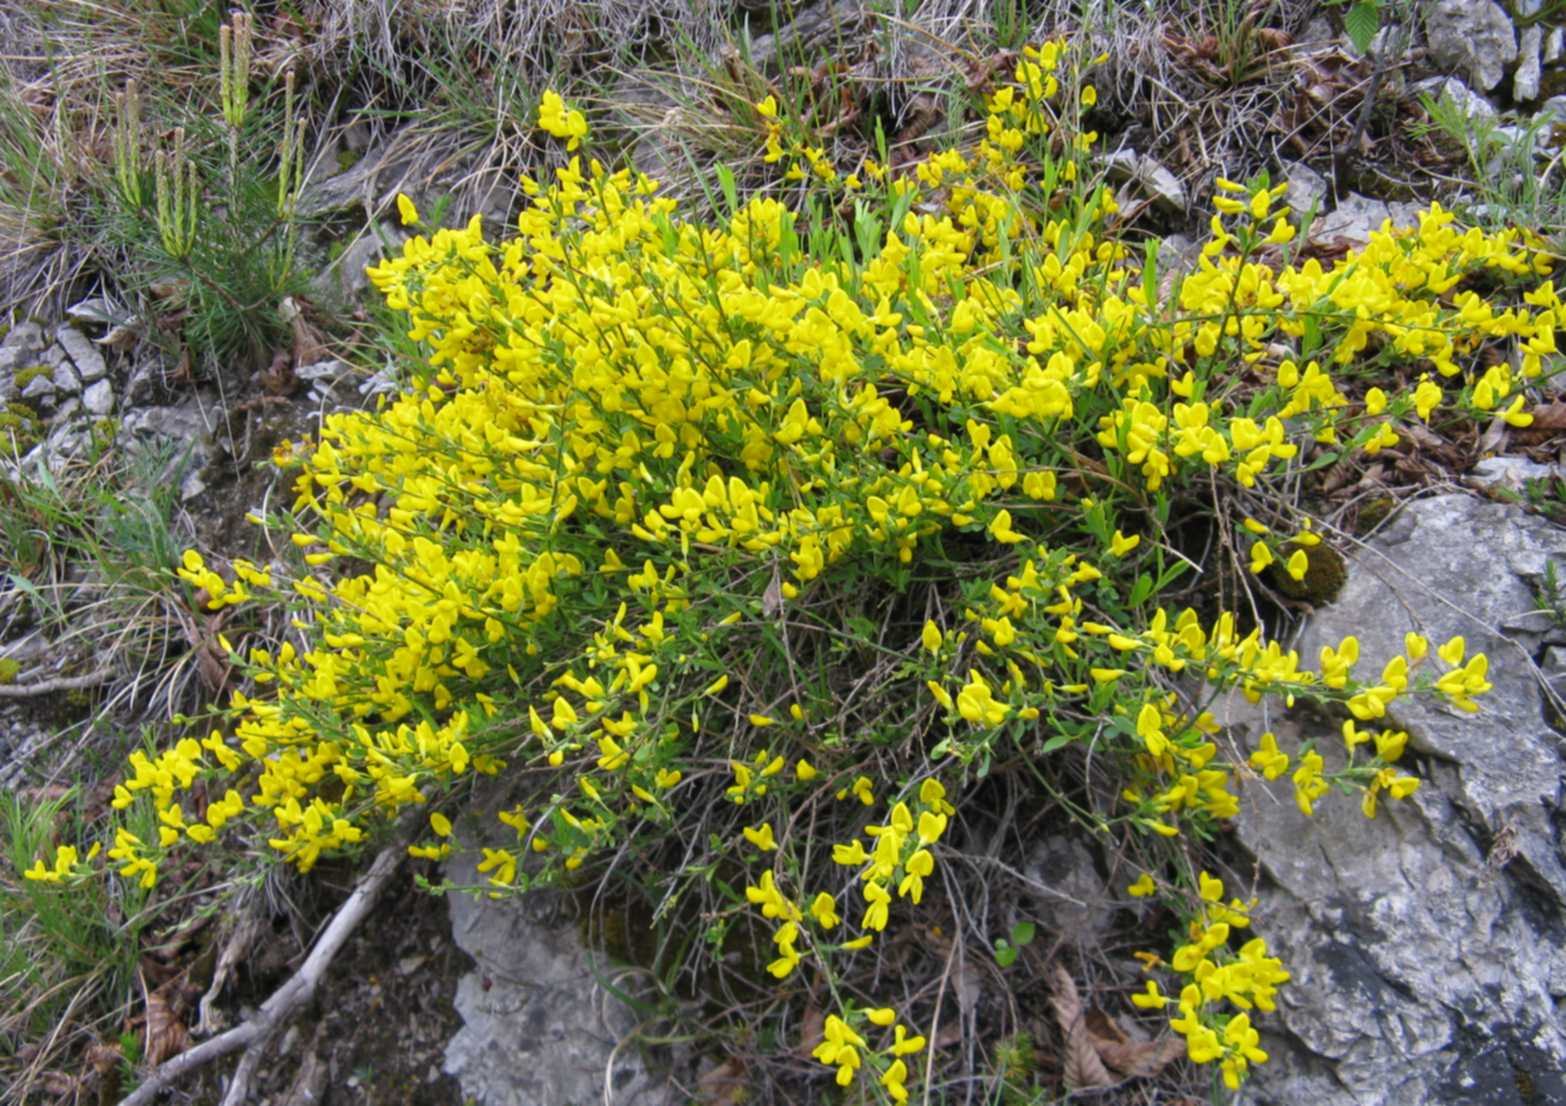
[1454,91]
[1307,188]
[1155,180]
[99,399]
[86,356]
[66,378]
[23,345]
[39,387]
[539,1029]
[1525,81]
[1473,37]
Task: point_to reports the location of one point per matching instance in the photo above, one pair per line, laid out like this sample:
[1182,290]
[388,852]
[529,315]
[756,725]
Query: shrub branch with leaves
[747,553]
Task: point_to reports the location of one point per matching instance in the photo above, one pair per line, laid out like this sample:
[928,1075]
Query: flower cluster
[1219,979]
[843,1048]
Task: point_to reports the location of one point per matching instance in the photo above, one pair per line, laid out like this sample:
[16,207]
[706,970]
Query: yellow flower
[761,837]
[554,117]
[1120,545]
[1000,528]
[823,908]
[1152,998]
[1282,233]
[1427,396]
[406,211]
[1267,759]
[893,1079]
[1143,887]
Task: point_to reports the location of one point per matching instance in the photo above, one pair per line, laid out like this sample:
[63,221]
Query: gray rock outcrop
[1428,946]
[541,1029]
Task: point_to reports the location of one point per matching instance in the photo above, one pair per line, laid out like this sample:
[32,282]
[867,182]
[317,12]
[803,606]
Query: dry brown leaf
[1081,1064]
[59,1086]
[812,1028]
[1548,416]
[948,1035]
[723,1085]
[772,598]
[309,343]
[103,1056]
[1105,1029]
[1493,440]
[166,1035]
[309,1082]
[1064,1000]
[1141,1057]
[104,1060]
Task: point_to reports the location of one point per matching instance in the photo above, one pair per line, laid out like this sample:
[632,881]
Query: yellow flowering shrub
[748,550]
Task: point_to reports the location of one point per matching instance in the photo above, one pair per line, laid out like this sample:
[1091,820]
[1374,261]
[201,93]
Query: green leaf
[1361,22]
[1022,933]
[1005,955]
[726,183]
[1059,741]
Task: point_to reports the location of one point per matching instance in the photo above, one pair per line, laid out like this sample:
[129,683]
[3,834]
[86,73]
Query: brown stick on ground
[58,683]
[253,1035]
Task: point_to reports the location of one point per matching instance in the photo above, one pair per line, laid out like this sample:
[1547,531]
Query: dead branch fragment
[59,683]
[253,1035]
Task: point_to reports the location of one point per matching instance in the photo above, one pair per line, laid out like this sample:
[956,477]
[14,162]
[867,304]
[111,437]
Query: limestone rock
[1428,946]
[98,399]
[819,26]
[177,438]
[22,346]
[67,381]
[1525,81]
[1473,37]
[1153,178]
[1511,473]
[1356,217]
[83,355]
[540,1029]
[40,389]
[1307,188]
[345,277]
[1472,105]
[1069,894]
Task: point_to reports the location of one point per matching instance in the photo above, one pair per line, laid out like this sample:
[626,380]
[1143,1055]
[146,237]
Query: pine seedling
[127,147]
[175,180]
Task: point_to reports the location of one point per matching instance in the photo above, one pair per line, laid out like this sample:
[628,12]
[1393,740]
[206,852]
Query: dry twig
[59,683]
[252,1035]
